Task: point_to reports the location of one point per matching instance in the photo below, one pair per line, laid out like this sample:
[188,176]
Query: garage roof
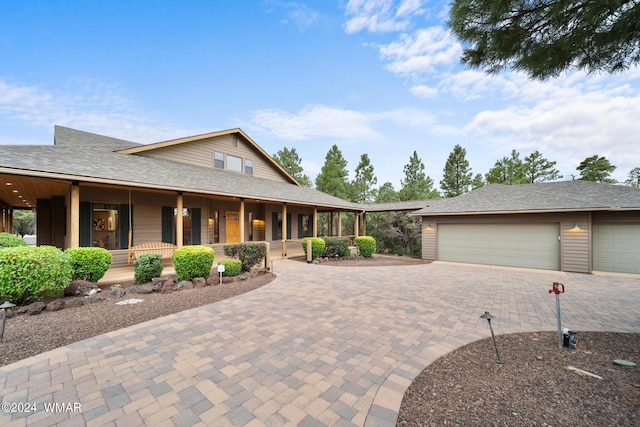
[543,197]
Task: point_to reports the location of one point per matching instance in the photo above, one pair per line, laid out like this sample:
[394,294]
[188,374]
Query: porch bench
[162,248]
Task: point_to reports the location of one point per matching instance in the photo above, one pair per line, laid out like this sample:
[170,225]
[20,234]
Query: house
[210,189]
[574,226]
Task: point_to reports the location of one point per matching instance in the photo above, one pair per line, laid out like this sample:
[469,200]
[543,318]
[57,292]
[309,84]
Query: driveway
[319,346]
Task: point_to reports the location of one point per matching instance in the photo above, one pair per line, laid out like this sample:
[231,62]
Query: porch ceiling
[22,192]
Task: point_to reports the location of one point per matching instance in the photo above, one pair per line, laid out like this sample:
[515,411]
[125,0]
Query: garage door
[616,248]
[513,245]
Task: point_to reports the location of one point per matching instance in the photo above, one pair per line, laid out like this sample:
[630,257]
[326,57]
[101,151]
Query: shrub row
[193,261]
[338,246]
[249,254]
[8,240]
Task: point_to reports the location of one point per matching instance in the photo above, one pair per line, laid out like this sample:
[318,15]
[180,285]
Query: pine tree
[416,184]
[508,171]
[633,179]
[291,162]
[538,169]
[596,169]
[362,186]
[332,178]
[457,173]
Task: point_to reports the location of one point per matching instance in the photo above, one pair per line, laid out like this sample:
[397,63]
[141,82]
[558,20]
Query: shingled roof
[535,198]
[87,157]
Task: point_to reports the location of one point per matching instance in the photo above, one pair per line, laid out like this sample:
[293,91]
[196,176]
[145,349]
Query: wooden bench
[164,249]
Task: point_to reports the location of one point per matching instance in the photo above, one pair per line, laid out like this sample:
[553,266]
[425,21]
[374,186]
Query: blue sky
[380,77]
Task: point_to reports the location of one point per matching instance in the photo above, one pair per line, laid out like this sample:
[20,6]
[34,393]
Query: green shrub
[146,267]
[232,267]
[366,245]
[336,246]
[89,263]
[8,240]
[29,272]
[249,254]
[193,261]
[317,246]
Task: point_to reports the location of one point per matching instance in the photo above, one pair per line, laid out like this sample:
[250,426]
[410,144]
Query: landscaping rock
[31,309]
[90,299]
[185,284]
[73,302]
[199,282]
[116,291]
[168,286]
[140,289]
[80,287]
[55,305]
[226,279]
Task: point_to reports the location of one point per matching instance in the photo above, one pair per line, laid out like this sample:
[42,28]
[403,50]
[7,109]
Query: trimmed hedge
[317,246]
[89,263]
[8,240]
[366,245]
[193,261]
[146,267]
[249,254]
[28,273]
[336,246]
[232,267]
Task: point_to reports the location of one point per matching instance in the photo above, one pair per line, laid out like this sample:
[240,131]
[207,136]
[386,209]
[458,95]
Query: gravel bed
[28,335]
[533,387]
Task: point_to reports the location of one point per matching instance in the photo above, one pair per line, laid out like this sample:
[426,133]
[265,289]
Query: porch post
[241,220]
[339,223]
[364,223]
[330,223]
[179,221]
[356,224]
[75,215]
[315,221]
[284,229]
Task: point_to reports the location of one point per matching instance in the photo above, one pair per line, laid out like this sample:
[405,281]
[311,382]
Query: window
[190,225]
[248,167]
[276,226]
[305,225]
[234,163]
[214,227]
[218,160]
[105,226]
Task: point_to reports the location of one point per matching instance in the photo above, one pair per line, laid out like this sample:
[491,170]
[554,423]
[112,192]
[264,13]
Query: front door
[233,227]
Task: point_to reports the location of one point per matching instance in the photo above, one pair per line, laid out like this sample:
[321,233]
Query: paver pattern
[319,346]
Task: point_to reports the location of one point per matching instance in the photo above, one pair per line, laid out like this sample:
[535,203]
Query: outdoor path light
[488,316]
[4,307]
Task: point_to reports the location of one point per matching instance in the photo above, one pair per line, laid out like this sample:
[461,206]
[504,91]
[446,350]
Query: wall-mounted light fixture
[429,228]
[575,227]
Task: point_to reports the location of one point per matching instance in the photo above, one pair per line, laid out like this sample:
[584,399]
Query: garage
[527,245]
[616,248]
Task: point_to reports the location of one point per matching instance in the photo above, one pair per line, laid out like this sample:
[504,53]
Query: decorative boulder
[90,299]
[199,282]
[31,309]
[55,305]
[140,289]
[80,287]
[116,291]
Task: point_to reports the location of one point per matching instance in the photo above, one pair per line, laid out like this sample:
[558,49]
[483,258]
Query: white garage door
[513,245]
[616,248]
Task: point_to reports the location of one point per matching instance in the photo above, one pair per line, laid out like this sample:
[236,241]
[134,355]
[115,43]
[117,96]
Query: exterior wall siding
[575,246]
[200,153]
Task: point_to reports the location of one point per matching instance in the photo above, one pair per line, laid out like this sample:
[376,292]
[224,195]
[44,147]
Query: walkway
[319,346]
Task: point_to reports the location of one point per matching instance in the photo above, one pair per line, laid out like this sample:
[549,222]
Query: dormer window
[218,160]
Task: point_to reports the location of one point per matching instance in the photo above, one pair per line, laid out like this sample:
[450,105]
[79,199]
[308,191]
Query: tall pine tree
[332,178]
[457,173]
[363,186]
[538,169]
[291,162]
[416,185]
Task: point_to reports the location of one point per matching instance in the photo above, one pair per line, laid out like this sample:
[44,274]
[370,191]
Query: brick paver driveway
[320,345]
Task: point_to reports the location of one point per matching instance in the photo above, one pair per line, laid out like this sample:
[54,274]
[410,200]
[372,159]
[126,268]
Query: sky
[381,77]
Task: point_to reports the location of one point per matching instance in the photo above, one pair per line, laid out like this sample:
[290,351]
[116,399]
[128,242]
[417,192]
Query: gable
[233,145]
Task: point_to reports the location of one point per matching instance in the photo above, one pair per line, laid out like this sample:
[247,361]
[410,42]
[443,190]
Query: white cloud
[380,16]
[421,52]
[424,91]
[87,104]
[301,15]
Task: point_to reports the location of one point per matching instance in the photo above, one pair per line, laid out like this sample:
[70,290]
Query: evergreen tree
[457,173]
[362,186]
[416,184]
[633,179]
[538,169]
[386,193]
[546,37]
[24,222]
[332,178]
[596,169]
[508,171]
[291,162]
[478,181]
